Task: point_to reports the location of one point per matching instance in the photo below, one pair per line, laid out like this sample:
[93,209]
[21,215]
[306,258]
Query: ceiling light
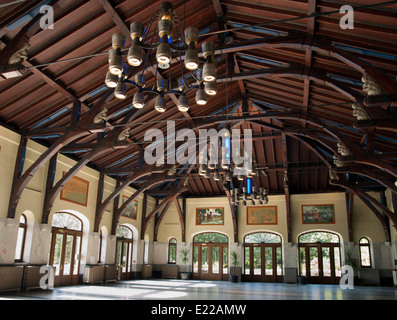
[139,100]
[183,104]
[160,104]
[163,37]
[120,92]
[201,97]
[210,88]
[134,56]
[191,58]
[111,80]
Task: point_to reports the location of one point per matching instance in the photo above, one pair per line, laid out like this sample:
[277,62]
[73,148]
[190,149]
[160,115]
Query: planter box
[235,274]
[185,275]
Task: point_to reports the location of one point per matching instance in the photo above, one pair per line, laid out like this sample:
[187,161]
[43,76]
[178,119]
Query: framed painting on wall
[323,213]
[206,216]
[76,191]
[131,209]
[262,215]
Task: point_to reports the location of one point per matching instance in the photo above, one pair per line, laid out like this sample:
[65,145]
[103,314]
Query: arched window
[210,237]
[262,237]
[172,251]
[319,237]
[365,253]
[21,238]
[64,220]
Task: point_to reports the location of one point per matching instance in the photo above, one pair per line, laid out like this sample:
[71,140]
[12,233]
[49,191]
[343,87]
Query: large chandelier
[164,42]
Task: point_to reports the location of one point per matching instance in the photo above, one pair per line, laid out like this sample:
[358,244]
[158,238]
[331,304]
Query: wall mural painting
[262,215]
[131,209]
[212,216]
[76,191]
[318,213]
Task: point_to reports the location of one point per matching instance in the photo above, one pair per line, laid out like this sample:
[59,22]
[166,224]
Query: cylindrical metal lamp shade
[210,88]
[201,97]
[208,49]
[191,35]
[139,100]
[165,28]
[140,79]
[134,56]
[163,54]
[209,71]
[191,59]
[120,92]
[117,41]
[162,84]
[111,80]
[116,65]
[136,30]
[160,105]
[183,104]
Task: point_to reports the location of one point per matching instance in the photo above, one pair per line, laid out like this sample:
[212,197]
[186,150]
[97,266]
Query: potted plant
[235,270]
[185,259]
[351,261]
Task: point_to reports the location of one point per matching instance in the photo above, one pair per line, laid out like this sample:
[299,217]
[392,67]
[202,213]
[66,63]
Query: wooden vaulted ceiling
[292,80]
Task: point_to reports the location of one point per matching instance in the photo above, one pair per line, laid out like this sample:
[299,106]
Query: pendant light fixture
[164,40]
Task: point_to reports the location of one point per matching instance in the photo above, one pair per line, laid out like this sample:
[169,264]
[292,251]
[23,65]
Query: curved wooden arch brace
[320,44]
[144,171]
[100,149]
[166,204]
[72,133]
[117,214]
[298,73]
[342,182]
[352,168]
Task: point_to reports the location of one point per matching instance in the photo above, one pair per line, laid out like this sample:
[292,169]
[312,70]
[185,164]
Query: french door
[262,262]
[320,262]
[124,257]
[65,255]
[210,261]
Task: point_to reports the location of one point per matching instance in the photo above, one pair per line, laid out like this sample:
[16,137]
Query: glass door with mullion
[210,261]
[124,258]
[262,262]
[320,263]
[64,255]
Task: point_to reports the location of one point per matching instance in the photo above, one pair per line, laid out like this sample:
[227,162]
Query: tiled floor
[205,290]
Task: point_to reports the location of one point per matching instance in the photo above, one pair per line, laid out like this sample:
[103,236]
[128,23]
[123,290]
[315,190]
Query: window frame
[360,245]
[24,227]
[172,244]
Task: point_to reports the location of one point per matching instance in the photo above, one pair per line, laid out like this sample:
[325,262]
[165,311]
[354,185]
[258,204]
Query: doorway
[65,249]
[320,257]
[210,256]
[124,245]
[262,257]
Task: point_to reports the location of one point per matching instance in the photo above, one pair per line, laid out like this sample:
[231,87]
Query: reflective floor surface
[157,289]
